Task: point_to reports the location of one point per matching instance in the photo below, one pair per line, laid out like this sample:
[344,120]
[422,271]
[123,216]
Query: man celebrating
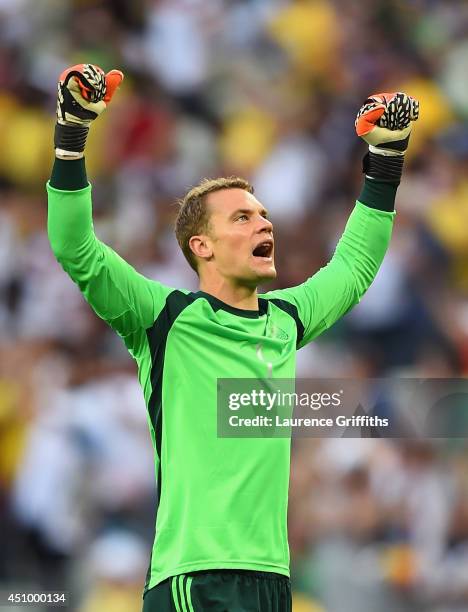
[220,530]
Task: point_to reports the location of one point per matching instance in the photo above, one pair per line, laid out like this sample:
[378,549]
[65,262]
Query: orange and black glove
[84,91]
[385,122]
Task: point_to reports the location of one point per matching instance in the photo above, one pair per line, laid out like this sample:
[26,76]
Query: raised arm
[384,122]
[128,301]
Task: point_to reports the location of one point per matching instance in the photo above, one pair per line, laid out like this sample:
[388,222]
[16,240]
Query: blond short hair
[193,217]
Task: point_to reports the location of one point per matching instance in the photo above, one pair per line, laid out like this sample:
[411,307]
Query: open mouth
[264,250]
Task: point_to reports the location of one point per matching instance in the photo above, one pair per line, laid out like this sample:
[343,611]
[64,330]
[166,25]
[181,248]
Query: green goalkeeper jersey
[222,502]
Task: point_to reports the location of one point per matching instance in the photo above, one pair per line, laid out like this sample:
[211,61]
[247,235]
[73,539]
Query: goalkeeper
[220,528]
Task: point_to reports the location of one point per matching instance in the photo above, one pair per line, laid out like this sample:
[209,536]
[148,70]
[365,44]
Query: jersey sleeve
[121,296]
[330,293]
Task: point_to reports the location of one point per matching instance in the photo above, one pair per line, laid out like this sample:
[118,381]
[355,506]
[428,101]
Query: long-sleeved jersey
[222,502]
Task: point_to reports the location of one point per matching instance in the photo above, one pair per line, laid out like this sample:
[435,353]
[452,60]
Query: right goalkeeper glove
[384,122]
[83,93]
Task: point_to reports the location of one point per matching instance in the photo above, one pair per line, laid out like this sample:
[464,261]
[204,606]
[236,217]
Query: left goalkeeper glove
[84,91]
[384,122]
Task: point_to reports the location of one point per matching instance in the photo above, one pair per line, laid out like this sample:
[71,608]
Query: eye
[242,218]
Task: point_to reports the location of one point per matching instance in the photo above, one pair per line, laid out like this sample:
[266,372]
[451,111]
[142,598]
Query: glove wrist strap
[70,141]
[387,169]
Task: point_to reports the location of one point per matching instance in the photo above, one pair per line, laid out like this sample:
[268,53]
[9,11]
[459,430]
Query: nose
[265,225]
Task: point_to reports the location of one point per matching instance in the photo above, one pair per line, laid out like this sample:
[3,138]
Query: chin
[272,274]
[256,275]
[264,276]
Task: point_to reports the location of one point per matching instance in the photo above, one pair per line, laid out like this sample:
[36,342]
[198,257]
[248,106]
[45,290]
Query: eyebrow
[249,211]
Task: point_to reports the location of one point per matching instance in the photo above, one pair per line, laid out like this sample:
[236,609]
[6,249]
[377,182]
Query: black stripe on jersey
[157,334]
[291,310]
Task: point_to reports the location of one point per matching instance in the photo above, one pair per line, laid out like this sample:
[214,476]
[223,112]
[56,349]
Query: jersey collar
[240,312]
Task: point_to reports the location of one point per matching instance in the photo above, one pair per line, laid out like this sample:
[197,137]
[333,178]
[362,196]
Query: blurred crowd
[268,90]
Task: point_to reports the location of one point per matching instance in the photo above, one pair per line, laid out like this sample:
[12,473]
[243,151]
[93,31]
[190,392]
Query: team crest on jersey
[279,333]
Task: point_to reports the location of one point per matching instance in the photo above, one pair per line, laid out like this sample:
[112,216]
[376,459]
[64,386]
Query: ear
[201,246]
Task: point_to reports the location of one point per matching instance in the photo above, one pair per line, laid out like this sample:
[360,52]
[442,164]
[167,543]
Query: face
[240,238]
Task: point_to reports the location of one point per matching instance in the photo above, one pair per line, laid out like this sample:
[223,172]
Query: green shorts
[221,591]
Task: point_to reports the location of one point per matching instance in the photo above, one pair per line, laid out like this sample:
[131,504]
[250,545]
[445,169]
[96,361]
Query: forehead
[224,202]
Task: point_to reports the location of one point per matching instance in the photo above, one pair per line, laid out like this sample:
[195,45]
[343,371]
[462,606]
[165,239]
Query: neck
[238,296]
